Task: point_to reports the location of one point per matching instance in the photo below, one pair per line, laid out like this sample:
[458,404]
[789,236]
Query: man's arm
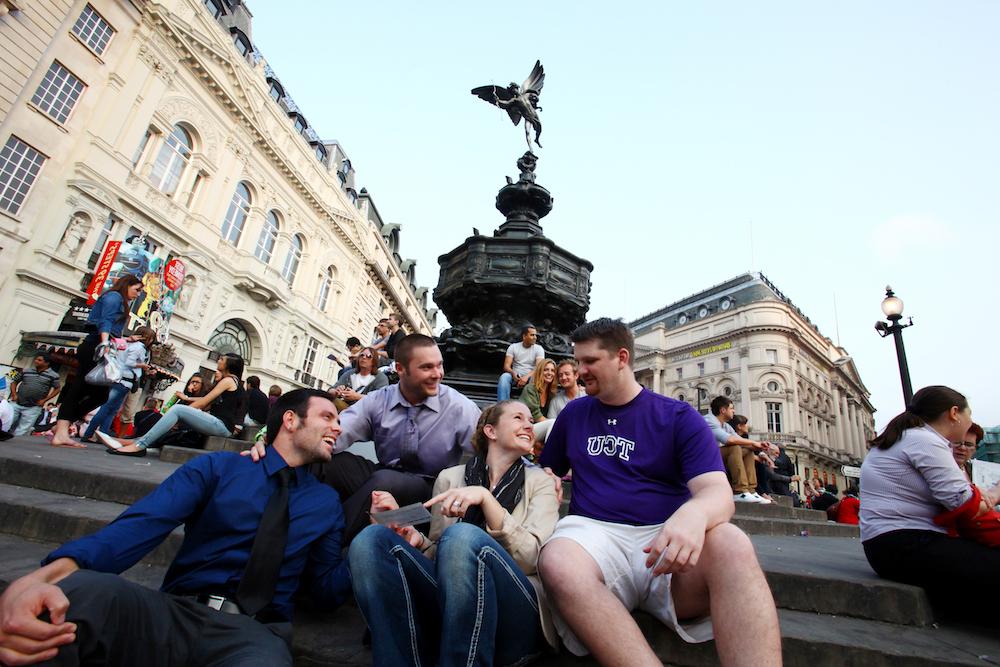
[508,365]
[678,545]
[356,422]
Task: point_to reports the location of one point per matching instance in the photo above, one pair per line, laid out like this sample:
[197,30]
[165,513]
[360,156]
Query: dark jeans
[121,623]
[959,575]
[472,605]
[355,477]
[79,398]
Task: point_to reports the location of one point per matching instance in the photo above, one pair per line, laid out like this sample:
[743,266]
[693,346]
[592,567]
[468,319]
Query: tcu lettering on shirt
[609,445]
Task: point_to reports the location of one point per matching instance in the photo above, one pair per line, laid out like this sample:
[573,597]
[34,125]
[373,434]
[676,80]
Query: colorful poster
[102,272]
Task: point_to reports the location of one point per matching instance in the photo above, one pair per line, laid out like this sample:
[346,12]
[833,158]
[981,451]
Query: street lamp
[892,306]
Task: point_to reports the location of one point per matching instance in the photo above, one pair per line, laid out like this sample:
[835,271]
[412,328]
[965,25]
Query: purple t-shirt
[631,463]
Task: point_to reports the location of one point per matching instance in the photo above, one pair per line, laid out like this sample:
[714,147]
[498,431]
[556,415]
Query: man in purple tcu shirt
[648,526]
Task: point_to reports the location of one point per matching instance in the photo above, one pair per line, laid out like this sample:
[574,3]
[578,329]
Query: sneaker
[108,440]
[744,498]
[760,499]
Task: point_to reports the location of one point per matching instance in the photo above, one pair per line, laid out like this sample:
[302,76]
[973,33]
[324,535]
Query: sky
[835,147]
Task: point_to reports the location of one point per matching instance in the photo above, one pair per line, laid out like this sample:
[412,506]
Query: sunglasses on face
[365,356]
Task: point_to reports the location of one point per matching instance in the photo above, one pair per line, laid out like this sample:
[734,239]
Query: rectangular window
[19,167]
[680,373]
[701,368]
[773,417]
[102,238]
[58,92]
[725,363]
[309,362]
[93,30]
[214,8]
[772,356]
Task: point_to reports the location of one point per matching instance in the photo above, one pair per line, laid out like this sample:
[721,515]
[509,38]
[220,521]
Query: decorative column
[862,445]
[845,424]
[839,420]
[745,381]
[657,373]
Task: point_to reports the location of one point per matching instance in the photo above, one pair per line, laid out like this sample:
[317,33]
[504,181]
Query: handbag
[108,370]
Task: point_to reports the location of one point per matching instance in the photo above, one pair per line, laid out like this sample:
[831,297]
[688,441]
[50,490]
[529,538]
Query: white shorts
[617,550]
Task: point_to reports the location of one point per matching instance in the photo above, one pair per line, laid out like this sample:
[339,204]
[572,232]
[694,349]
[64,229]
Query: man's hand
[678,545]
[350,395]
[256,452]
[383,501]
[521,380]
[24,639]
[558,482]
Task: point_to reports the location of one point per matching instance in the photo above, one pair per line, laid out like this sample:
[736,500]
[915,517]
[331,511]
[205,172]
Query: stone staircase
[832,607]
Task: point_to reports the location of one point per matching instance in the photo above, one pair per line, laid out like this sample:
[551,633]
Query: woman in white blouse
[908,478]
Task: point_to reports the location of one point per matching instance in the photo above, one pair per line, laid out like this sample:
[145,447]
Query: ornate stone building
[746,340]
[162,120]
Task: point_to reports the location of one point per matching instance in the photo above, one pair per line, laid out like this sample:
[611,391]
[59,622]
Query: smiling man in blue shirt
[71,610]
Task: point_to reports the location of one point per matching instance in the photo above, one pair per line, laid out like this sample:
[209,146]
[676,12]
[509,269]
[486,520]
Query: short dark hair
[526,328]
[720,403]
[296,400]
[737,421]
[406,345]
[977,431]
[234,364]
[44,354]
[611,335]
[254,381]
[352,341]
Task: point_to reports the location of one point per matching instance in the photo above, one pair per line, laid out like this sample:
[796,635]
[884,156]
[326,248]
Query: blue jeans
[503,386]
[106,413]
[472,605]
[191,417]
[23,418]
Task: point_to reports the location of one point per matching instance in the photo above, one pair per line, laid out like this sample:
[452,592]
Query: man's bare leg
[744,618]
[575,586]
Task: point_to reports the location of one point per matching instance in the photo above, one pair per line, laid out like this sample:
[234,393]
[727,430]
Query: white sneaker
[744,498]
[760,499]
[108,440]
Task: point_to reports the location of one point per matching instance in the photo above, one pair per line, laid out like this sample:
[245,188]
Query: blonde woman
[538,393]
[478,601]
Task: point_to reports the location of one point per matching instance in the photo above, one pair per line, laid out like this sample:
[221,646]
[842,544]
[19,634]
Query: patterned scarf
[508,492]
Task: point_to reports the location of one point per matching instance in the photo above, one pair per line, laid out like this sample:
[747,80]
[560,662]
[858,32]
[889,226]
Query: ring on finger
[457,503]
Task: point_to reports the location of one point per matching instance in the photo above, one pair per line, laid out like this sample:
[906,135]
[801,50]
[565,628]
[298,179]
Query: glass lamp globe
[892,305]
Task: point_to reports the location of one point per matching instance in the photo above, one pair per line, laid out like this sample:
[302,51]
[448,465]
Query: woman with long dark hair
[908,478]
[477,601]
[135,360]
[106,320]
[222,404]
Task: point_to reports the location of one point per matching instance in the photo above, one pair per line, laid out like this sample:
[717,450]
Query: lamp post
[892,306]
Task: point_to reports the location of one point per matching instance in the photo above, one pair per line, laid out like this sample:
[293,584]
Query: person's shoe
[118,452]
[744,498]
[108,440]
[761,499]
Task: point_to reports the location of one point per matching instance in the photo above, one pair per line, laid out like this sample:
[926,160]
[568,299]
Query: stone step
[215,443]
[46,516]
[808,639]
[754,525]
[777,511]
[179,455]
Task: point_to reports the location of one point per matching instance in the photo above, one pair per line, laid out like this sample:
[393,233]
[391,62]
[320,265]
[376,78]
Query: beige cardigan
[523,532]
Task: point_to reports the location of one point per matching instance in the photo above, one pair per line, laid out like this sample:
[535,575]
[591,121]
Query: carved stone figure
[72,239]
[187,292]
[519,101]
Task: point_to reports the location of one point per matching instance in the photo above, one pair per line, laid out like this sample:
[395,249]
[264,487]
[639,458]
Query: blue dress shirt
[106,315]
[220,498]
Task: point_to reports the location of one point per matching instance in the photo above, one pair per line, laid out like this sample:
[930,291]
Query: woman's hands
[455,502]
[383,501]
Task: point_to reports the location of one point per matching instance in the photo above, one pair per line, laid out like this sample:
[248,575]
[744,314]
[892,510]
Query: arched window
[236,216]
[268,237]
[325,286]
[171,161]
[292,260]
[231,336]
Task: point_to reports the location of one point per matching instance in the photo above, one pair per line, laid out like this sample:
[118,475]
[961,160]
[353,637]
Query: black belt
[219,603]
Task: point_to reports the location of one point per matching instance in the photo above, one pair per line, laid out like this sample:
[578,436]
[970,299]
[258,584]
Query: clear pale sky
[835,147]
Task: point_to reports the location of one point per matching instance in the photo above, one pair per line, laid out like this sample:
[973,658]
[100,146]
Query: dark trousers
[959,575]
[124,624]
[355,477]
[79,398]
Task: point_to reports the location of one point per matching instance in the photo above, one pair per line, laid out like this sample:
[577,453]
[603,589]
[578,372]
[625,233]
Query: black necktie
[260,577]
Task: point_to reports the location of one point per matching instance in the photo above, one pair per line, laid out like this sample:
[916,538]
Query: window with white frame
[171,160]
[19,167]
[102,238]
[701,368]
[773,411]
[772,356]
[58,92]
[325,286]
[292,259]
[309,361]
[725,363]
[93,30]
[268,238]
[680,373]
[236,216]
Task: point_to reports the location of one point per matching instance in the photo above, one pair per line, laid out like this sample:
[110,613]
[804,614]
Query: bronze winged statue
[519,101]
